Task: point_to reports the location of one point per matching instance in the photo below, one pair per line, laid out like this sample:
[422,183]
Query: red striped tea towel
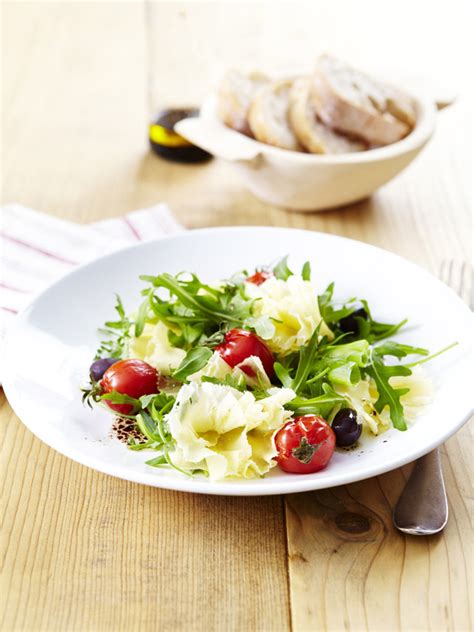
[37,249]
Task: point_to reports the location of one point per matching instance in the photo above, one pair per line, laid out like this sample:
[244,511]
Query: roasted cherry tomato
[305,444]
[239,345]
[129,377]
[259,277]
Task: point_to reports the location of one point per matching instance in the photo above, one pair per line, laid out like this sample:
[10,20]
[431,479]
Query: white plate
[51,345]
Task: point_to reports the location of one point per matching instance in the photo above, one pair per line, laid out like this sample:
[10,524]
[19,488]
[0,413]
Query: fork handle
[422,509]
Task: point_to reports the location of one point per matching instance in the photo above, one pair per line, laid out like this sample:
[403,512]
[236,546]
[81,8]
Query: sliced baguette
[315,137]
[268,116]
[235,93]
[353,103]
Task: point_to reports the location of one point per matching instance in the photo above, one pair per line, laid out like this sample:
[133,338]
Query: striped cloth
[37,249]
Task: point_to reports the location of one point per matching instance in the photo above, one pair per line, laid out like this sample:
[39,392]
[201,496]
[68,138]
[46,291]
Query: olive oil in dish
[166,143]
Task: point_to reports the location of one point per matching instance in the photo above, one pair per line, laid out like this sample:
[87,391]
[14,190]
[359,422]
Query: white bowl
[307,182]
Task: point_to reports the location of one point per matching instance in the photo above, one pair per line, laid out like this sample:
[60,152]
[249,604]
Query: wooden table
[84,551]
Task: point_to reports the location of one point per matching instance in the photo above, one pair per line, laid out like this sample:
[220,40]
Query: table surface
[84,551]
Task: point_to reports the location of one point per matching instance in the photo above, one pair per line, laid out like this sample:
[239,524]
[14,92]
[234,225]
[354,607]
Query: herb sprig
[195,312]
[116,334]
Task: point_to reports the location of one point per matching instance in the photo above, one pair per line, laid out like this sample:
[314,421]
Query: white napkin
[36,249]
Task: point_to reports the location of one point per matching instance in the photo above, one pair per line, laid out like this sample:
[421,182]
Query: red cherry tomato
[240,344]
[259,277]
[129,377]
[305,444]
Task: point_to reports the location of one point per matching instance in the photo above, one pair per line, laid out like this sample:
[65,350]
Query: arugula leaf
[176,288]
[398,350]
[263,326]
[368,328]
[344,373]
[238,383]
[373,330]
[281,270]
[306,271]
[142,316]
[433,355]
[322,405]
[164,460]
[134,444]
[117,334]
[388,395]
[325,298]
[147,426]
[194,360]
[197,312]
[357,352]
[210,305]
[320,361]
[329,313]
[120,398]
[158,461]
[283,375]
[159,402]
[162,403]
[306,359]
[150,420]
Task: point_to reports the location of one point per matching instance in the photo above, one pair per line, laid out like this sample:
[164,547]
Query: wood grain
[351,570]
[83,551]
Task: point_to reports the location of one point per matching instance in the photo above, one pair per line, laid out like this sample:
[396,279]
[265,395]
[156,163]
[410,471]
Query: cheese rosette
[293,308]
[420,393]
[226,432]
[154,347]
[218,368]
[363,395]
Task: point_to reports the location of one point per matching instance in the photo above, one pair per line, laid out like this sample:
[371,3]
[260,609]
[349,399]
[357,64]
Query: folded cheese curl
[293,307]
[225,432]
[154,347]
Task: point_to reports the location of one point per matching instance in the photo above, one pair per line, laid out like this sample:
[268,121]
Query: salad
[232,379]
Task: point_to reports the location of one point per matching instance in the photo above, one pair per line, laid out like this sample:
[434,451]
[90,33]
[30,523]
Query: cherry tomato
[129,377]
[305,444]
[259,277]
[240,344]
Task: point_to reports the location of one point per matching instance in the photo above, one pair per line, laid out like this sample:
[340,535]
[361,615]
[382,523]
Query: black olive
[349,324]
[346,427]
[99,367]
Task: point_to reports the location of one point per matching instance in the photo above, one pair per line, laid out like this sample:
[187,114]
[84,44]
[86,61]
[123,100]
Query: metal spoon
[422,508]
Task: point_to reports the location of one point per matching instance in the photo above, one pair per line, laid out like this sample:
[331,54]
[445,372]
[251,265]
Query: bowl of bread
[315,142]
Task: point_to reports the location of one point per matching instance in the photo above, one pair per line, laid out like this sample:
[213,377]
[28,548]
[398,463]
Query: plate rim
[226,488]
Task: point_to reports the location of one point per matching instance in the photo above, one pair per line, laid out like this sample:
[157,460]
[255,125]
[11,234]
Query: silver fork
[422,508]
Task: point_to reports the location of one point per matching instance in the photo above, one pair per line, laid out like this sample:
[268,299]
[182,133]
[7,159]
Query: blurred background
[82,81]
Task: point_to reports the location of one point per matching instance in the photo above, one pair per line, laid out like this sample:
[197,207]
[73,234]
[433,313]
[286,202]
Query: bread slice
[353,103]
[315,137]
[268,116]
[235,93]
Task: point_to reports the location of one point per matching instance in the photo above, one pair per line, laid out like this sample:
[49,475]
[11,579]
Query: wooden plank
[80,550]
[85,551]
[364,574]
[351,570]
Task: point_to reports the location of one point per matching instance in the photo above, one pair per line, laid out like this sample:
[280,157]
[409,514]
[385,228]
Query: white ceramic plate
[49,349]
